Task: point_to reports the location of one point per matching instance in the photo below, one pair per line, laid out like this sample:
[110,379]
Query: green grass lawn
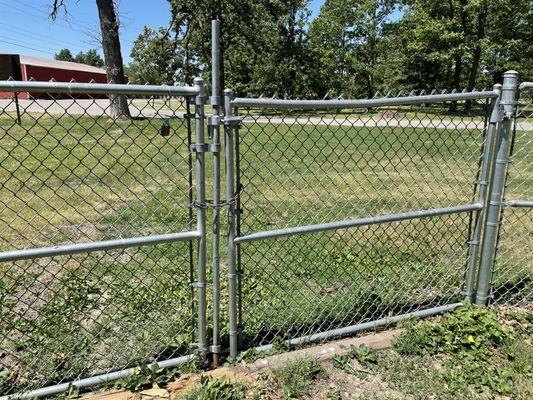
[72,179]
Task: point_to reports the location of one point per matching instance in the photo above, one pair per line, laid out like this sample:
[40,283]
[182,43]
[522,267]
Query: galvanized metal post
[232,250]
[497,185]
[201,212]
[483,184]
[215,132]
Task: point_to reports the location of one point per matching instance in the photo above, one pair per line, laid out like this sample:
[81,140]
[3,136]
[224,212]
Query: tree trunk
[113,58]
[457,79]
[476,56]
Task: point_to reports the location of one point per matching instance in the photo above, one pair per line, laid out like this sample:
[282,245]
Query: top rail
[96,88]
[526,86]
[327,104]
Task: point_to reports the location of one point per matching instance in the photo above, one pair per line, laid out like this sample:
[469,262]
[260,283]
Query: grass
[70,179]
[296,377]
[470,353]
[216,389]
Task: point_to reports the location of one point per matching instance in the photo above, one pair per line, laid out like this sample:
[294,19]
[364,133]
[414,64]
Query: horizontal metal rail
[365,326]
[95,88]
[327,104]
[67,249]
[519,203]
[92,381]
[526,86]
[300,230]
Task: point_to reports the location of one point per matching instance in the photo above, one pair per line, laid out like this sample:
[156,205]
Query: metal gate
[352,214]
[102,262]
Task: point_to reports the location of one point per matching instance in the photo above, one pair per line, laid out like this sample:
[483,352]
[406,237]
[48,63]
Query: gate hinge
[206,148]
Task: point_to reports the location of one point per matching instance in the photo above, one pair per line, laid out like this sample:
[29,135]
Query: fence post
[483,184]
[232,251]
[497,185]
[215,132]
[201,212]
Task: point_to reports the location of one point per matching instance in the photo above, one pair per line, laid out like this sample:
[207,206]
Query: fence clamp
[213,120]
[205,148]
[234,121]
[214,349]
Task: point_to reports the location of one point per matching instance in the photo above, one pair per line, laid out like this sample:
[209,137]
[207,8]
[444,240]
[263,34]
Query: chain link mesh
[513,268]
[70,174]
[297,168]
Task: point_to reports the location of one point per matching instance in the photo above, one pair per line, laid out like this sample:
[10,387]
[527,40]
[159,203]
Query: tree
[453,42]
[64,55]
[250,34]
[158,59]
[109,28]
[349,38]
[91,57]
[287,61]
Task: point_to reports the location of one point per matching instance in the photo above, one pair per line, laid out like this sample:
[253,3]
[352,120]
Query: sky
[27,29]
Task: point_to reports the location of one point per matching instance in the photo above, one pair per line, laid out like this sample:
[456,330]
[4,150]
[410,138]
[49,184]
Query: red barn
[24,68]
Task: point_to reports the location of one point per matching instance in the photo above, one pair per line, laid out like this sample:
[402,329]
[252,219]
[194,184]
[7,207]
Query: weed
[365,355]
[467,330]
[216,389]
[476,349]
[279,346]
[146,375]
[334,394]
[295,377]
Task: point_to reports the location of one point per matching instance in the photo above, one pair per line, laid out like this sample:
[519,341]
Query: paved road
[144,108]
[436,123]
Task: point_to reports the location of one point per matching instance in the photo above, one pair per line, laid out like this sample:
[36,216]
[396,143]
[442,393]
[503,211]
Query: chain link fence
[78,300]
[299,165]
[342,215]
[513,269]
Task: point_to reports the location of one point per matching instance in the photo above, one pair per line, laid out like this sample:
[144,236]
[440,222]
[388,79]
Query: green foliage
[91,57]
[279,346]
[450,44]
[295,377]
[366,356]
[147,375]
[215,389]
[158,59]
[472,339]
[334,394]
[349,38]
[468,329]
[64,55]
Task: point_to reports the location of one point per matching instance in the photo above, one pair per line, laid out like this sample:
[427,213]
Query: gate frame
[232,124]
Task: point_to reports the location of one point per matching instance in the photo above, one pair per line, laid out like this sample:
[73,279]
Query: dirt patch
[351,386]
